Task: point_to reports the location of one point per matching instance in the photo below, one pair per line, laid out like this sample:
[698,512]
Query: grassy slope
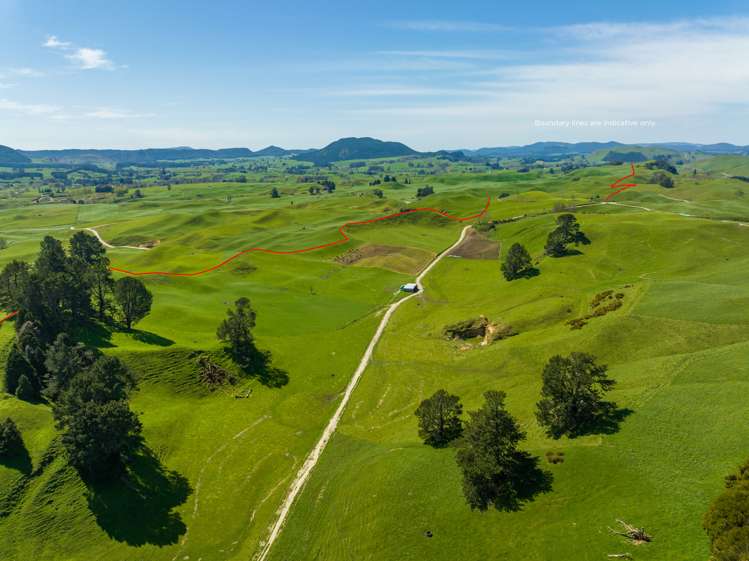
[236,454]
[678,349]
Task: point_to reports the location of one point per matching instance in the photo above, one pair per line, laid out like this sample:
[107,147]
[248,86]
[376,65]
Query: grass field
[221,465]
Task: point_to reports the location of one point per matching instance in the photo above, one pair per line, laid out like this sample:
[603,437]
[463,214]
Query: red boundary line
[341,229]
[622,186]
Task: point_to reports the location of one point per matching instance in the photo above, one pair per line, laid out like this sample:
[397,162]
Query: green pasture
[220,462]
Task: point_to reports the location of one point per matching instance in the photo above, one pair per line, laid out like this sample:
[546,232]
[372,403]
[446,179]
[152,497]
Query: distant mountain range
[547,149]
[344,149]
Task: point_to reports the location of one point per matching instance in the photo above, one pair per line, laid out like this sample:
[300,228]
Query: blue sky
[432,74]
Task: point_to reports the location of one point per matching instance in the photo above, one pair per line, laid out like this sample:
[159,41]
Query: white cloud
[90,59]
[448,26]
[27,108]
[115,114]
[85,58]
[683,75]
[53,42]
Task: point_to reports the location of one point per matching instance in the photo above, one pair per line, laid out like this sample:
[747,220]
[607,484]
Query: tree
[727,520]
[379,193]
[89,256]
[236,330]
[424,191]
[567,232]
[274,193]
[133,298]
[490,457]
[62,361]
[99,429]
[572,394]
[439,418]
[13,284]
[98,436]
[51,258]
[16,366]
[517,263]
[556,246]
[25,390]
[10,438]
[86,248]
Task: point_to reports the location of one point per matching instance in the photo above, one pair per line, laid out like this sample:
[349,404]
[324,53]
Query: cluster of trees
[325,184]
[662,163]
[727,520]
[495,471]
[58,293]
[424,191]
[488,456]
[379,193]
[567,232]
[517,262]
[661,178]
[274,193]
[328,185]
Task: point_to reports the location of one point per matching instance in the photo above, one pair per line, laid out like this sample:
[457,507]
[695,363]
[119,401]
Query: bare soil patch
[476,246]
[400,259]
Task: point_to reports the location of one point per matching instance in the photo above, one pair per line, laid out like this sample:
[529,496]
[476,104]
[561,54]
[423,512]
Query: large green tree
[567,232]
[439,418]
[572,394]
[727,520]
[236,331]
[89,256]
[517,262]
[133,299]
[99,429]
[490,457]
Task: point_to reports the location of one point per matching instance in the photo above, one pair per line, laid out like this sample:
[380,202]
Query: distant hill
[272,151]
[356,149]
[10,156]
[717,148]
[146,156]
[542,149]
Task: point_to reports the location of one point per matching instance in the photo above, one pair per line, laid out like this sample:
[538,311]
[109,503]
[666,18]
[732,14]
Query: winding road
[311,461]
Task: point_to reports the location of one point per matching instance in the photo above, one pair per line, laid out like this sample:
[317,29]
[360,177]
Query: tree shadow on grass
[151,338]
[526,481]
[138,507]
[607,421]
[18,458]
[259,365]
[529,273]
[94,334]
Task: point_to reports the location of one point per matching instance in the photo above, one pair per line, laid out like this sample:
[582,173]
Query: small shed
[410,287]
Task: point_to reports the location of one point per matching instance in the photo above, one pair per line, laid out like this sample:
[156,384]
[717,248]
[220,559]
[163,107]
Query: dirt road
[309,463]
